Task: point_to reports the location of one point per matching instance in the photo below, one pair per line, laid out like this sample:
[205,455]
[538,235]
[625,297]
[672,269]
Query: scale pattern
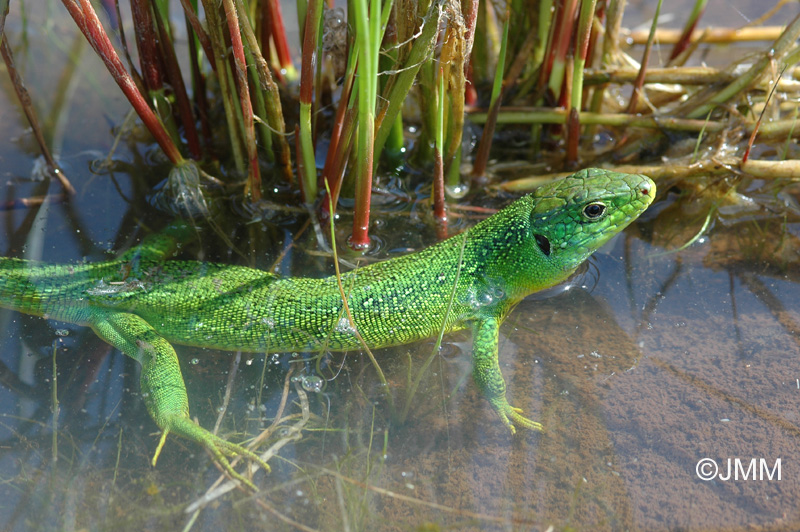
[140,303]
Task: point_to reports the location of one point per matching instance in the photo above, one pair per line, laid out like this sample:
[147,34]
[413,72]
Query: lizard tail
[16,291]
[40,289]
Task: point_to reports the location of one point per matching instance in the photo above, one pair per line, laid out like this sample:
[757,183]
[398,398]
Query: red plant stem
[638,84]
[566,86]
[86,19]
[30,113]
[3,15]
[278,32]
[331,172]
[202,35]
[120,29]
[199,96]
[583,38]
[470,19]
[341,156]
[600,16]
[547,67]
[360,237]
[485,144]
[173,71]
[308,71]
[686,37]
[240,68]
[439,210]
[333,145]
[752,139]
[266,39]
[266,29]
[147,44]
[308,64]
[573,137]
[470,94]
[514,71]
[346,143]
[561,37]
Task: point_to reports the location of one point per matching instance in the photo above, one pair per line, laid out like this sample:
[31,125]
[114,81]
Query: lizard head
[573,217]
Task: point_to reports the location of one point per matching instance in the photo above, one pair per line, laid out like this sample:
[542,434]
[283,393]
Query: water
[669,359]
[665,359]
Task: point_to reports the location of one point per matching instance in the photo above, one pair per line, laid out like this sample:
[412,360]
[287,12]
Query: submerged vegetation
[221,94]
[436,92]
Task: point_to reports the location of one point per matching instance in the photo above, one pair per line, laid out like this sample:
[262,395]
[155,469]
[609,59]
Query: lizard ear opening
[543,243]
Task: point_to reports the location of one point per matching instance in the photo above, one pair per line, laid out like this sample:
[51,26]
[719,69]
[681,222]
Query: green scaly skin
[141,303]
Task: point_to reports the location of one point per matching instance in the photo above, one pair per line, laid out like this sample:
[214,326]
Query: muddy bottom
[667,384]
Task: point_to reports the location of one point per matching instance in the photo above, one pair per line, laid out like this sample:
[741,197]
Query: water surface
[653,360]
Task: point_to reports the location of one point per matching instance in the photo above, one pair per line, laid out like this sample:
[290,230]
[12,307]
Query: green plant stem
[226,84]
[346,306]
[454,174]
[389,58]
[264,132]
[453,59]
[308,70]
[559,45]
[782,46]
[392,102]
[584,33]
[546,115]
[199,31]
[271,98]
[497,84]
[439,208]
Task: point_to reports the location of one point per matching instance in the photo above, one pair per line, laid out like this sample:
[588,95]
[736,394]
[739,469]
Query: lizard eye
[594,210]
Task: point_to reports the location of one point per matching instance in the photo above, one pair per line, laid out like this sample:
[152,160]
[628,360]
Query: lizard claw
[219,448]
[222,449]
[512,417]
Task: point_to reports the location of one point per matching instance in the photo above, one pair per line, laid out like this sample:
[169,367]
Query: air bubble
[344,327]
[312,383]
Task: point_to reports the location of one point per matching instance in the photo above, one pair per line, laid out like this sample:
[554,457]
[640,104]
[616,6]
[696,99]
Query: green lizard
[141,303]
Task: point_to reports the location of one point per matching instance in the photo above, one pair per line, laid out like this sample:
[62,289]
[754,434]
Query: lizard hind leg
[160,246]
[162,386]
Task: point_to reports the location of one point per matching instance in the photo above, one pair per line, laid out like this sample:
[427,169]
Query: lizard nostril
[645,190]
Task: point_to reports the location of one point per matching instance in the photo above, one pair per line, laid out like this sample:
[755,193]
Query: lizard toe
[219,448]
[518,419]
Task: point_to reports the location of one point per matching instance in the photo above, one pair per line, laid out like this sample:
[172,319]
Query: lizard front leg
[162,385]
[487,375]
